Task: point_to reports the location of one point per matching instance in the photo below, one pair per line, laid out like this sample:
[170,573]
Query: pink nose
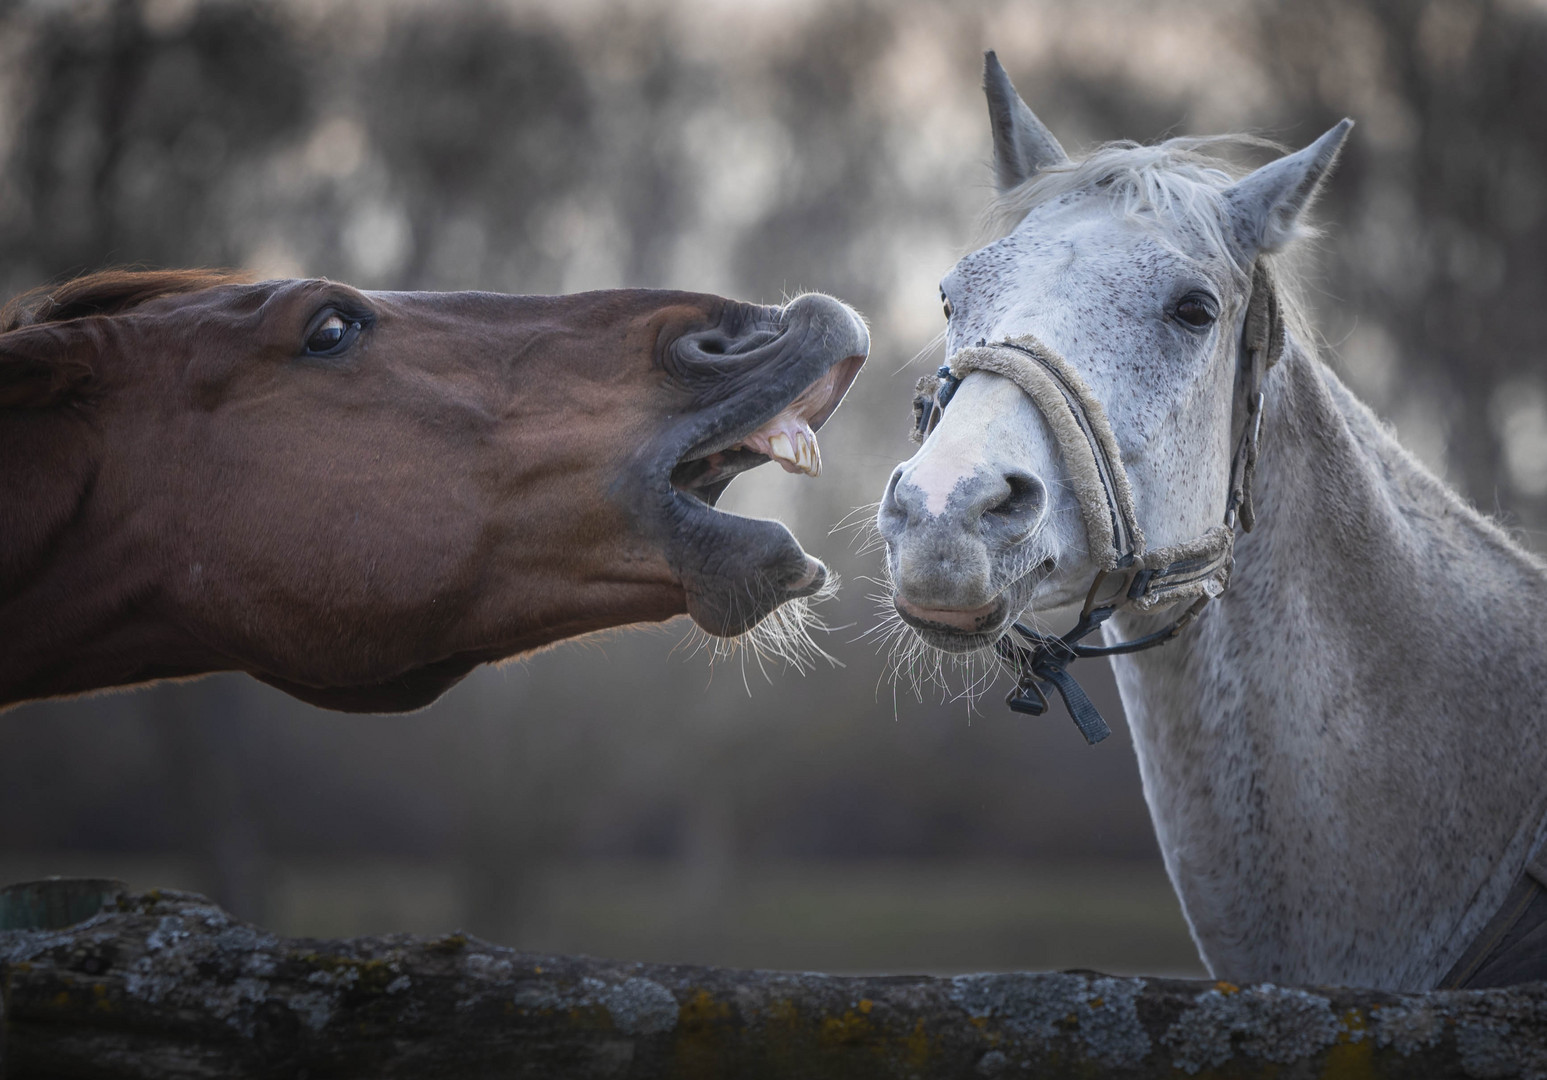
[968,619]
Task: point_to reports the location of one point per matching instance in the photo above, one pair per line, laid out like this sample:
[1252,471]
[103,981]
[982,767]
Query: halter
[1131,578]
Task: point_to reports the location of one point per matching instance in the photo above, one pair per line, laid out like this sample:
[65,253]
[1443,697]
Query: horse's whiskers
[923,667]
[785,638]
[857,518]
[861,521]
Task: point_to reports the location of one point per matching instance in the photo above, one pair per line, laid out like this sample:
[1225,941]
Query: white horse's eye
[1194,312]
[946,304]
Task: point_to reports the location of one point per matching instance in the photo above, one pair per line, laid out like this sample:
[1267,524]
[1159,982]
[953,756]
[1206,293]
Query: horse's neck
[1344,757]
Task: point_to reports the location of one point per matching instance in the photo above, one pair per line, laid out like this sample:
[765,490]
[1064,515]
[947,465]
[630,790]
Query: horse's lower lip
[701,480]
[976,620]
[815,574]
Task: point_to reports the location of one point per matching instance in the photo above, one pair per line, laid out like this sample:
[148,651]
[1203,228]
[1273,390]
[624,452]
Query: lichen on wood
[166,984]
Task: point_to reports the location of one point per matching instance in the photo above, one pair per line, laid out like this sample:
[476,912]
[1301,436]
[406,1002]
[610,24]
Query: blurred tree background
[620,796]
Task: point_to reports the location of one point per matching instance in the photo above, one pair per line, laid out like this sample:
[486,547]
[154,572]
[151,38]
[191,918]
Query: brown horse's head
[358,496]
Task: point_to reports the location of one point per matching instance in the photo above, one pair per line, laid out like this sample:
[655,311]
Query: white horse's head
[1135,265]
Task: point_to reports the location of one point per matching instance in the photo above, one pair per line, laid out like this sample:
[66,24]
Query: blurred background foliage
[619,796]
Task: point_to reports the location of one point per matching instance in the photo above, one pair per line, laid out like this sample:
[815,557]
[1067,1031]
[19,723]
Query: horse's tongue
[789,440]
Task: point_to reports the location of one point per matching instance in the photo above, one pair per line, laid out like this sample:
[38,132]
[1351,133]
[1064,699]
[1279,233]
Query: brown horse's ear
[44,365]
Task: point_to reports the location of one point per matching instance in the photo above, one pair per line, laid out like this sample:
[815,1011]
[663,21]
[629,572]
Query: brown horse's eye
[1194,312]
[331,335]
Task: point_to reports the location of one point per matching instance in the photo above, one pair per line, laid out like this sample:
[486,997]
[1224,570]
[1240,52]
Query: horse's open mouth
[769,378]
[789,438]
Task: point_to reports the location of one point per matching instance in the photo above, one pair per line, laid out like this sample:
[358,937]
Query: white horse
[1344,754]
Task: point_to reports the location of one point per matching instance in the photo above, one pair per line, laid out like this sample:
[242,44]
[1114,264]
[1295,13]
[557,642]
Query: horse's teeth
[789,440]
[808,457]
[816,456]
[780,450]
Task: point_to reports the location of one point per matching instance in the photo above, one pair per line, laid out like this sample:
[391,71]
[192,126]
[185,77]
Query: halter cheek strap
[1130,577]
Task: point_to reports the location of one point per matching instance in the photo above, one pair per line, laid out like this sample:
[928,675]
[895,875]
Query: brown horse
[360,496]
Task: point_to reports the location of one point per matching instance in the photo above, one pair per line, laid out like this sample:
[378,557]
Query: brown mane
[106,292]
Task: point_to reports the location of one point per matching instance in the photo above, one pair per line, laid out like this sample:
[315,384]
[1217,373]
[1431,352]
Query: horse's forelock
[1186,172]
[106,292]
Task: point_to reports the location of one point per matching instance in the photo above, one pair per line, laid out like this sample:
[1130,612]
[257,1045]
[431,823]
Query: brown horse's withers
[358,497]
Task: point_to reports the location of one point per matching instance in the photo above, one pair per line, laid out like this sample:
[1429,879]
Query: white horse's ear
[1022,145]
[1266,205]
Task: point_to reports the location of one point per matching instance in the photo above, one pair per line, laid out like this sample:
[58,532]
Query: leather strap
[1262,344]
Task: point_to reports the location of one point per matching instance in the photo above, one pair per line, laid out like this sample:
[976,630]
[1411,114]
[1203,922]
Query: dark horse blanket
[1512,947]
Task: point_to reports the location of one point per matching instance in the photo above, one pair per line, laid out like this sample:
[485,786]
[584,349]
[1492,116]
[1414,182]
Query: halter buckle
[1132,580]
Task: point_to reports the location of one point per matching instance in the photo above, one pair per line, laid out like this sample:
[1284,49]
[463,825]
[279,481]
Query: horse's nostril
[892,510]
[1022,505]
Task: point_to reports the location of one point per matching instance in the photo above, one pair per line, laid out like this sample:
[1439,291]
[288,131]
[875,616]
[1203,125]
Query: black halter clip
[1043,663]
[931,402]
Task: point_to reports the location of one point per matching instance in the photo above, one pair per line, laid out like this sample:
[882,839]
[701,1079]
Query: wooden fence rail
[166,984]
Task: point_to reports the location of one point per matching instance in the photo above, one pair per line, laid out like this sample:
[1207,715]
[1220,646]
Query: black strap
[1045,665]
[1083,711]
[1044,660]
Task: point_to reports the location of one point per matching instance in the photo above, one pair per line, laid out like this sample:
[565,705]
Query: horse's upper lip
[706,468]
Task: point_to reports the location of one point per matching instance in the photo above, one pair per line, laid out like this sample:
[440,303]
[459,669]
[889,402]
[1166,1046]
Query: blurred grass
[865,917]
